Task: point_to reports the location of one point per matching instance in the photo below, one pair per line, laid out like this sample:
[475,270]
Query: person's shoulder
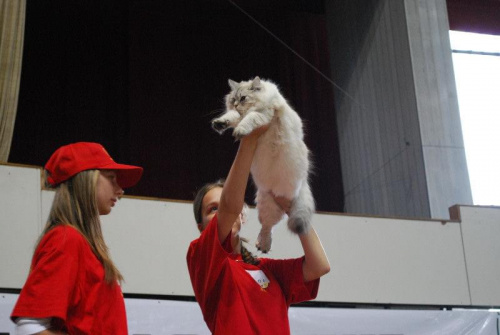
[63,236]
[264,260]
[194,243]
[192,246]
[67,231]
[62,241]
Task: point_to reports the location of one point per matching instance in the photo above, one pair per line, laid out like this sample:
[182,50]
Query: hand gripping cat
[281,163]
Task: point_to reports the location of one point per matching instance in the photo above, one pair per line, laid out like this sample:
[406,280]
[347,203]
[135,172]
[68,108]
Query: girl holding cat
[73,285]
[244,295]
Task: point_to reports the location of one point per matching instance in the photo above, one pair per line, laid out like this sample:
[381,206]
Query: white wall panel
[373,259]
[19,222]
[481,235]
[149,241]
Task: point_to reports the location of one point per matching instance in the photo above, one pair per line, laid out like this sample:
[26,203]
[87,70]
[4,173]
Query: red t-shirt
[67,283]
[240,298]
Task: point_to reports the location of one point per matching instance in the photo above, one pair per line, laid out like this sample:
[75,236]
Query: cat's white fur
[281,163]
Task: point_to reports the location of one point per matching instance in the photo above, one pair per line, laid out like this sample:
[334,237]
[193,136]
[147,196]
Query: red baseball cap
[71,159]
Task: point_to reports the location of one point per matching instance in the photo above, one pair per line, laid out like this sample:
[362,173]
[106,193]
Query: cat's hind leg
[270,213]
[302,210]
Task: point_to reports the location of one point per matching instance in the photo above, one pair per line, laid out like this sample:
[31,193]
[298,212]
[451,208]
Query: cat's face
[243,95]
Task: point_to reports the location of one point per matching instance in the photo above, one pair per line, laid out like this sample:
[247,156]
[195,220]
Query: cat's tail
[299,220]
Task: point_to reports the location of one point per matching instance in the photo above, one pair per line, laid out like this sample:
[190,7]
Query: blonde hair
[75,204]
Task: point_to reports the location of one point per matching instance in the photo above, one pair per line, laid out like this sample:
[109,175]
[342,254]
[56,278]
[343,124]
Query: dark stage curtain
[474,16]
[74,79]
[144,78]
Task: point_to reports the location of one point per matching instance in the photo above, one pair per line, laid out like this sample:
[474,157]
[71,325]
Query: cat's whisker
[217,111]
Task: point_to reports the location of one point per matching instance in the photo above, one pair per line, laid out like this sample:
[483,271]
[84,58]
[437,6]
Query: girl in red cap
[237,293]
[73,285]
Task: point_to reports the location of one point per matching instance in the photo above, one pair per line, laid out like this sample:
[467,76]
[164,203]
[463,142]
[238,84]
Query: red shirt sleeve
[51,285]
[288,273]
[206,258]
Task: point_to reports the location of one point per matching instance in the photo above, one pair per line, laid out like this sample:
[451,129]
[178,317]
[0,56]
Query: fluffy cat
[281,163]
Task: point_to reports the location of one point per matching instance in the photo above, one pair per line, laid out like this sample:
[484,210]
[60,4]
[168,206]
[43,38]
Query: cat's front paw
[240,132]
[220,125]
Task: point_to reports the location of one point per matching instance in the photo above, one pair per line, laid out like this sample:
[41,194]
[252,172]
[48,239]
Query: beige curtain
[12,16]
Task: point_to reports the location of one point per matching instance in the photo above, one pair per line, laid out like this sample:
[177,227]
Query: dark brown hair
[198,199]
[246,255]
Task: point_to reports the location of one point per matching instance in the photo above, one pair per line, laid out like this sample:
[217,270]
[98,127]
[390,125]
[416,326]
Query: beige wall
[374,259]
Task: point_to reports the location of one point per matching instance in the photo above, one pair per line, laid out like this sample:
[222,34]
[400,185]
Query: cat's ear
[256,85]
[232,84]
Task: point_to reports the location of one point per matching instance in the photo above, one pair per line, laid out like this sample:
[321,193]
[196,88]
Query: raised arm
[233,193]
[316,262]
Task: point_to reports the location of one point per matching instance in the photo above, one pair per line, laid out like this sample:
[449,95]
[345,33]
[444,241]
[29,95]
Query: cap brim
[126,175]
